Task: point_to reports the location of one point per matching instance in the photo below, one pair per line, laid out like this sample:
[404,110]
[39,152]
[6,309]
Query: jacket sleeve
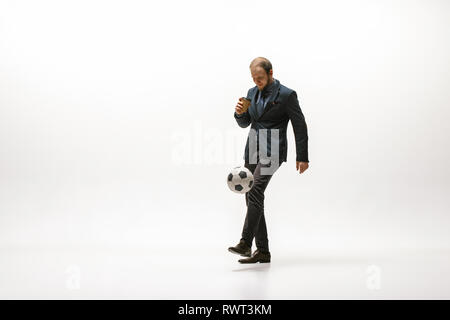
[299,126]
[243,120]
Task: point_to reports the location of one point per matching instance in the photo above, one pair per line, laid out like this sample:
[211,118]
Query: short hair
[261,62]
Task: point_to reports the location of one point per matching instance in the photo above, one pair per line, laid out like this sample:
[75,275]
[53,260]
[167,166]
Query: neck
[268,83]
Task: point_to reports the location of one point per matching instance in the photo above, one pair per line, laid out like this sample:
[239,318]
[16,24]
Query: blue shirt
[265,92]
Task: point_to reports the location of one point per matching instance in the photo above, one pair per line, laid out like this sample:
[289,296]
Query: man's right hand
[239,107]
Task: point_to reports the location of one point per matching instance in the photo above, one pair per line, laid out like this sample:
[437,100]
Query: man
[272,106]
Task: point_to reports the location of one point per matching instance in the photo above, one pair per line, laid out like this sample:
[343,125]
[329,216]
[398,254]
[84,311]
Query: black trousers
[255,223]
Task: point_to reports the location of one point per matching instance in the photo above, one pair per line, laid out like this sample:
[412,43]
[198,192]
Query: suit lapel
[273,96]
[252,108]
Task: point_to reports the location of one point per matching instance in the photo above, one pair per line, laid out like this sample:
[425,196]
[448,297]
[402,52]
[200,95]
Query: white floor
[183,273]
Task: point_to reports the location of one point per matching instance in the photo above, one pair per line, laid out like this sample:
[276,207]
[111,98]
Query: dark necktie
[260,104]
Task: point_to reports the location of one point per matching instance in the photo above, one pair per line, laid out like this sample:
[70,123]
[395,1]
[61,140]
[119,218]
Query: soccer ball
[240,180]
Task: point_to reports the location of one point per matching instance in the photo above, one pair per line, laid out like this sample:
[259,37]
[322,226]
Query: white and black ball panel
[240,180]
[242,174]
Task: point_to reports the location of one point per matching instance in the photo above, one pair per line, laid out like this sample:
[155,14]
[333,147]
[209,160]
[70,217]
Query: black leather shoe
[258,256]
[242,249]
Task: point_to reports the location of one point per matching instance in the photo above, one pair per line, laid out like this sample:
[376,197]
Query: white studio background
[117,128]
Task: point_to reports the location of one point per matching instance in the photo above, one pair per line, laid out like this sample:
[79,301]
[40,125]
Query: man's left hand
[302,166]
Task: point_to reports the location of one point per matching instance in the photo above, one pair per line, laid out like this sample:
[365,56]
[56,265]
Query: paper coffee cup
[246,102]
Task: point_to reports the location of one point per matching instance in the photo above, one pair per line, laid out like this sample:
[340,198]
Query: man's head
[262,73]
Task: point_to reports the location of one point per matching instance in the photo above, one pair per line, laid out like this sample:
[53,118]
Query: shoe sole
[240,254]
[245,262]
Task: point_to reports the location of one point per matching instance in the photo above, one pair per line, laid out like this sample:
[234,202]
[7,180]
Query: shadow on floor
[259,267]
[299,261]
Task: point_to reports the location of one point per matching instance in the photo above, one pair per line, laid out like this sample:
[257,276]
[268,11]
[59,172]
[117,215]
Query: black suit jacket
[281,107]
